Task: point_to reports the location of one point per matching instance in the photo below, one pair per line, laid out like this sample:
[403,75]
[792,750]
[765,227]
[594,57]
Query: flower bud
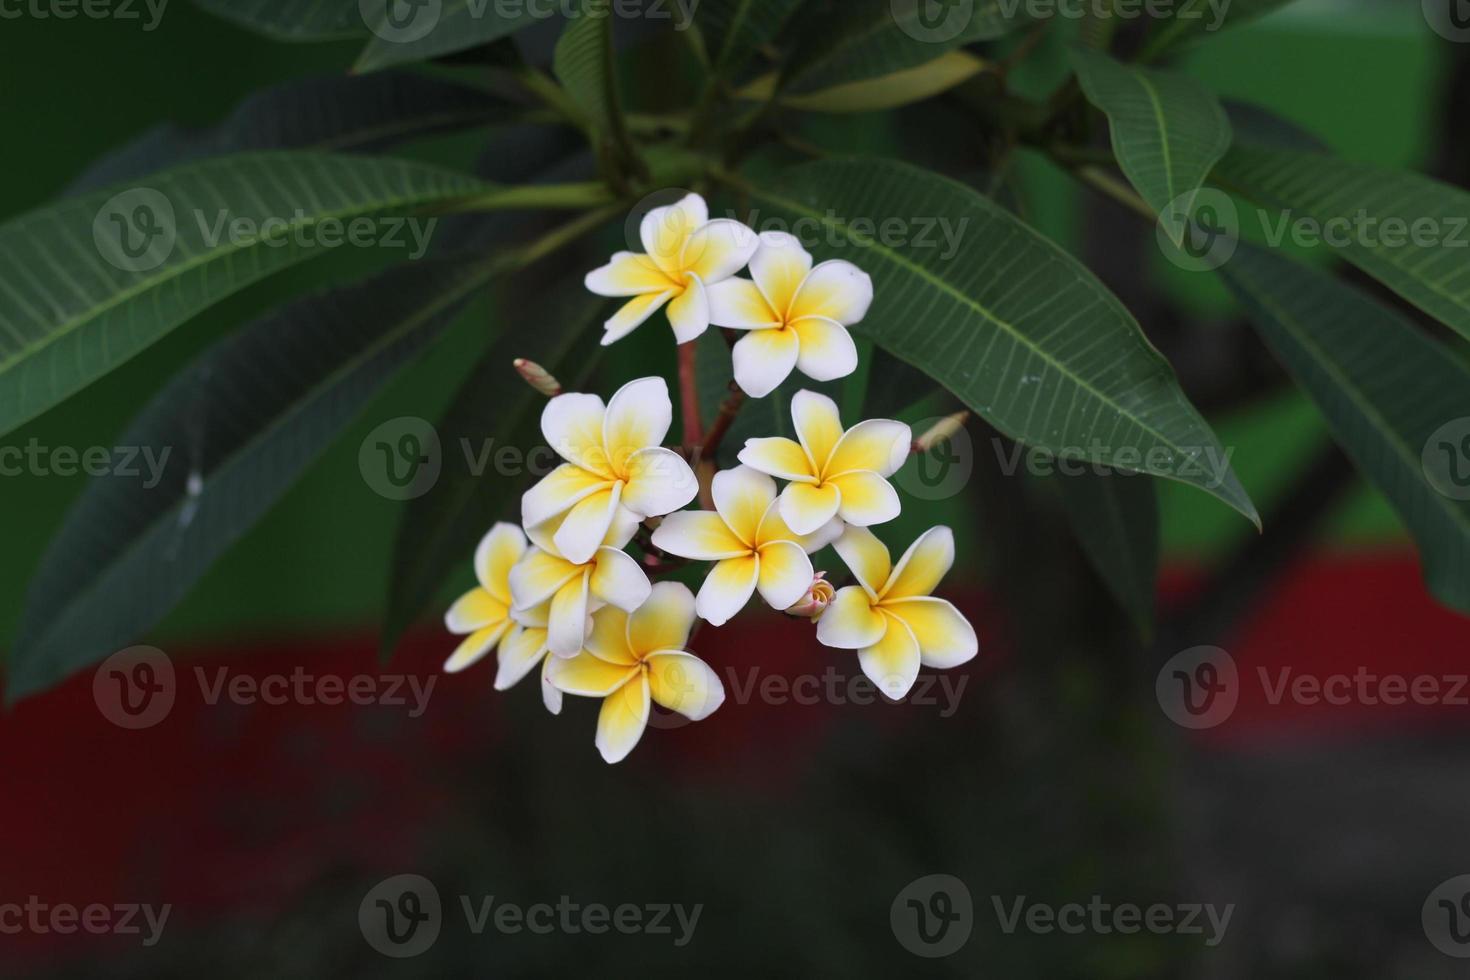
[941,432]
[538,377]
[816,600]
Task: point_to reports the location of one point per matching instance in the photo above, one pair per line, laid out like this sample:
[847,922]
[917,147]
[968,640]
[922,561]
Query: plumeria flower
[572,590]
[631,660]
[816,600]
[797,315]
[525,646]
[614,465]
[832,472]
[484,612]
[686,254]
[890,618]
[753,546]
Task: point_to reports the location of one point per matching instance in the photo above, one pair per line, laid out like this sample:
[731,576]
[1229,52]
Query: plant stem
[1101,180]
[525,197]
[689,401]
[554,239]
[729,408]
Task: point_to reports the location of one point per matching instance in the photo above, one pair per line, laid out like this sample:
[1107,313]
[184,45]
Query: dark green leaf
[404,32]
[293,20]
[734,30]
[1196,19]
[584,65]
[1252,124]
[1116,519]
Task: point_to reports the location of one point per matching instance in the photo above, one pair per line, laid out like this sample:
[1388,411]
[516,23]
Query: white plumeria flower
[752,545]
[686,253]
[525,646]
[890,618]
[572,590]
[614,464]
[484,612]
[798,315]
[832,472]
[631,660]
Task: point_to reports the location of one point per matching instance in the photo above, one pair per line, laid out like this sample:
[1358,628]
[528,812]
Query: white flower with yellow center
[572,590]
[631,660]
[753,547]
[525,646]
[797,315]
[686,254]
[615,463]
[890,618]
[484,612]
[832,472]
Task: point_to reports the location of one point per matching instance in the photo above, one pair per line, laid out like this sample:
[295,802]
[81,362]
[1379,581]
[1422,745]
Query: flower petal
[764,358]
[572,425]
[778,457]
[608,639]
[638,416]
[475,646]
[558,492]
[867,557]
[659,482]
[818,426]
[618,580]
[538,576]
[779,267]
[634,314]
[742,496]
[550,695]
[664,622]
[720,249]
[739,304]
[946,638]
[922,567]
[536,617]
[568,627]
[629,274]
[521,650]
[785,574]
[835,290]
[582,531]
[681,682]
[806,507]
[664,231]
[893,662]
[827,350]
[774,528]
[727,589]
[851,622]
[880,445]
[867,498]
[586,676]
[475,610]
[698,534]
[498,551]
[622,719]
[689,312]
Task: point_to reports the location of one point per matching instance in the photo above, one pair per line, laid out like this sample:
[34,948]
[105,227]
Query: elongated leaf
[92,281]
[239,427]
[491,435]
[1168,130]
[1407,231]
[888,92]
[1012,325]
[404,33]
[583,63]
[334,114]
[1193,20]
[1252,124]
[1396,400]
[1115,517]
[735,29]
[868,39]
[293,20]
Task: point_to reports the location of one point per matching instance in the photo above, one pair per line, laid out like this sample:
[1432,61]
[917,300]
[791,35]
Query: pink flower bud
[538,377]
[816,600]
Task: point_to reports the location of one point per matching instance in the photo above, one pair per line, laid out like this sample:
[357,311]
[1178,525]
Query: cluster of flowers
[565,595]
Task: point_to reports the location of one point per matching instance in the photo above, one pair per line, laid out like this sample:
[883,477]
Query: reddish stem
[689,400]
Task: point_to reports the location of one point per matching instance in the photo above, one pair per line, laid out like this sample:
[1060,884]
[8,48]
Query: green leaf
[1252,124]
[584,65]
[493,411]
[867,39]
[734,30]
[293,20]
[1115,517]
[1388,392]
[1168,130]
[1199,18]
[1378,214]
[240,426]
[1012,325]
[78,298]
[893,91]
[434,29]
